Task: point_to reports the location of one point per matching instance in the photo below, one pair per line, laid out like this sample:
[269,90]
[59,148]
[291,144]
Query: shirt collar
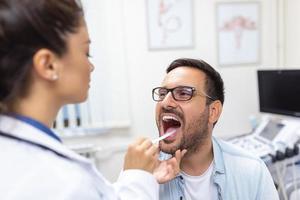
[219,165]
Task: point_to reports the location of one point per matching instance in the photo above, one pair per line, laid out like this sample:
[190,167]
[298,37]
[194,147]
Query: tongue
[171,131]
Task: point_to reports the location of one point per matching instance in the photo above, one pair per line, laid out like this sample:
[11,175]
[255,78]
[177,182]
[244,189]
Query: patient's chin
[168,148]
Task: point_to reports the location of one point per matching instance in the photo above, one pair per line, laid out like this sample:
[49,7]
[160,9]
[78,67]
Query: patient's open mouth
[170,123]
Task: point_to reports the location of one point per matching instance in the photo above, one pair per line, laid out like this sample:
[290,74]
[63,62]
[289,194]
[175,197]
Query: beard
[193,137]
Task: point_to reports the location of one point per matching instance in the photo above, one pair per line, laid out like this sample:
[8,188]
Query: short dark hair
[27,26]
[214,85]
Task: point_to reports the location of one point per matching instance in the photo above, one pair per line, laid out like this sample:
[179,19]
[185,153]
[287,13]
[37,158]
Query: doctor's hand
[166,170]
[141,154]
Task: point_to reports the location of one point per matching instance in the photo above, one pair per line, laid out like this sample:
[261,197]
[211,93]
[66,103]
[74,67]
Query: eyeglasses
[180,93]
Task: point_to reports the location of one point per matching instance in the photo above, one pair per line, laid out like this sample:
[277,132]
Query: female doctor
[44,64]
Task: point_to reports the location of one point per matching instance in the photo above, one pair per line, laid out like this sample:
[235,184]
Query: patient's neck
[197,163]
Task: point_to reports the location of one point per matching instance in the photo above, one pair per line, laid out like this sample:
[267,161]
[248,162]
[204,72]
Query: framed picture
[170,24]
[238,33]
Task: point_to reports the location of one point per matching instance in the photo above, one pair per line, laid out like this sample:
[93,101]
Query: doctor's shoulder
[26,168]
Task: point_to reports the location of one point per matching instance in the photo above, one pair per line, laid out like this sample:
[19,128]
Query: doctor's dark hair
[214,85]
[27,26]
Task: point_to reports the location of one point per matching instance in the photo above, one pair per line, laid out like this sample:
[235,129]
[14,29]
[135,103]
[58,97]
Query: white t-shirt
[200,187]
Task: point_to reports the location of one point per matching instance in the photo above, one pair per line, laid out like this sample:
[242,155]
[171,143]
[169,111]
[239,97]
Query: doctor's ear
[44,64]
[215,110]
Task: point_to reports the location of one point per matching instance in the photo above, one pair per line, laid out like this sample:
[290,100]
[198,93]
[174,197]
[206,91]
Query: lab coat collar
[37,125]
[19,129]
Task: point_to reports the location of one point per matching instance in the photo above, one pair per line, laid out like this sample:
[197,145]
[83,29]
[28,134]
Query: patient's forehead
[185,76]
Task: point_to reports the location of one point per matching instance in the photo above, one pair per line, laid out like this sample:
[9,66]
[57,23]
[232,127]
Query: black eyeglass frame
[172,89]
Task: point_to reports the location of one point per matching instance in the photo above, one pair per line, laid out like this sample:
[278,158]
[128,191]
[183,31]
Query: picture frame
[170,24]
[238,33]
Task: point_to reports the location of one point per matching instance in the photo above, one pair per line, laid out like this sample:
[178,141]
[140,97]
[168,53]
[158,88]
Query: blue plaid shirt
[237,175]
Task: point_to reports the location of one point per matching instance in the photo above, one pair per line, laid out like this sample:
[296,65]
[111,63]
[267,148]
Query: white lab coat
[51,171]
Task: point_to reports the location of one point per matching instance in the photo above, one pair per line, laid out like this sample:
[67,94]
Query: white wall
[122,36]
[292,33]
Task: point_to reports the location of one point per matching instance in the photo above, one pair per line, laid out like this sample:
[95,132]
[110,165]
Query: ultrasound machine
[271,136]
[279,93]
[276,138]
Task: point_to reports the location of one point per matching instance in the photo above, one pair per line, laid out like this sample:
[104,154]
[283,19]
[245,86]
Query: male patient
[190,102]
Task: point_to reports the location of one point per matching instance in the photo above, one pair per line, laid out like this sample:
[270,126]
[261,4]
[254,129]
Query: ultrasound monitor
[271,130]
[279,91]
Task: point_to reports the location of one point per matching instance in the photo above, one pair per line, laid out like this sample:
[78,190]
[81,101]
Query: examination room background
[126,70]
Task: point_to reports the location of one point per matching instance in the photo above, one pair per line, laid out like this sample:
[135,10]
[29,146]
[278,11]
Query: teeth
[165,118]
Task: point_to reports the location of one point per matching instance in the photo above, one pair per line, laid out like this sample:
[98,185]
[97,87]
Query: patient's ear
[215,110]
[44,64]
